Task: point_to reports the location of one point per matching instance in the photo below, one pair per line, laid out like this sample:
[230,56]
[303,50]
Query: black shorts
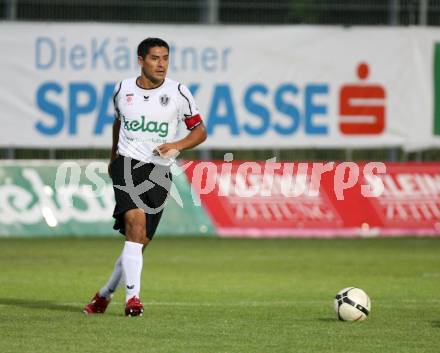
[153,183]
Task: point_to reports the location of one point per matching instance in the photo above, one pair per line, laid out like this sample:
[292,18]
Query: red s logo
[362,107]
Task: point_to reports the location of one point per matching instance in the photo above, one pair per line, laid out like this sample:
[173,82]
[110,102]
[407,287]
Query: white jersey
[151,117]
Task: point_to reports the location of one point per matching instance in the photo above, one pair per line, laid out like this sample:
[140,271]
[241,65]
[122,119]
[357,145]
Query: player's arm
[195,137]
[115,140]
[115,128]
[190,116]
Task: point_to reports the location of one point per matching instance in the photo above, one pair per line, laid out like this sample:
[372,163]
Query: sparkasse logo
[362,106]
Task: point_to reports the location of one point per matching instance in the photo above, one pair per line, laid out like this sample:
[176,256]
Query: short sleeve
[116,91]
[189,113]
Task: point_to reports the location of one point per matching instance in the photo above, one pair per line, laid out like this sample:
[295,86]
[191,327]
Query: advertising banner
[333,199]
[410,202]
[257,199]
[256,87]
[59,198]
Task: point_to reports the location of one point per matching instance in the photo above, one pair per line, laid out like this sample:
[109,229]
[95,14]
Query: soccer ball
[352,304]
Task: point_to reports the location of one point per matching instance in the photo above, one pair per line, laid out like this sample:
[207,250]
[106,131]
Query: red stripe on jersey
[193,121]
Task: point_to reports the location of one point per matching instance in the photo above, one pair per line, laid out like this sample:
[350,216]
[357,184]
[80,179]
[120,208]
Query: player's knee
[135,218]
[135,227]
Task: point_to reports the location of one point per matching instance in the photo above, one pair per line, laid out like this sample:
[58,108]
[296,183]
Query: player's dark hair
[146,44]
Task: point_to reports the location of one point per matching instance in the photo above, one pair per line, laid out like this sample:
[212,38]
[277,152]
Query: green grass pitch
[222,296]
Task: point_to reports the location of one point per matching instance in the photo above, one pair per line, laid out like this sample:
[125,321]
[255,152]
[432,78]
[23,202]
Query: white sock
[113,281]
[132,261]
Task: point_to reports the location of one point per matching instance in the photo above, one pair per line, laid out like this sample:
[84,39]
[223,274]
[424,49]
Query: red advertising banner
[311,199]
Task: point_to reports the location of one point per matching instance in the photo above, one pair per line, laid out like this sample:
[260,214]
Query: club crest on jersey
[164,99]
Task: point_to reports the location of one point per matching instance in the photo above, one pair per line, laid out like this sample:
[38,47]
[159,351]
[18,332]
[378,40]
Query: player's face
[155,64]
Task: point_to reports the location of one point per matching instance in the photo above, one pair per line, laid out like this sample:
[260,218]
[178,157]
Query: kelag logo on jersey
[143,125]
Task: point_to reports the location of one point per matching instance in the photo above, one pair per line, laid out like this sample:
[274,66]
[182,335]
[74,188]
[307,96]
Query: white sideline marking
[431,274]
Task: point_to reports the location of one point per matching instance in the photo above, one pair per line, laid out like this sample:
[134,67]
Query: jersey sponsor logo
[145,125]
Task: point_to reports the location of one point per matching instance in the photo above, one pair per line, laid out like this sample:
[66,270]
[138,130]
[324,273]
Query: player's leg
[113,281]
[132,260]
[102,298]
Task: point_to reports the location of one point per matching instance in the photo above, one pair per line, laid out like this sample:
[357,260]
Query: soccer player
[149,111]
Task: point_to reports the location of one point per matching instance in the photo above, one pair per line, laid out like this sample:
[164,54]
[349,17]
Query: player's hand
[167,150]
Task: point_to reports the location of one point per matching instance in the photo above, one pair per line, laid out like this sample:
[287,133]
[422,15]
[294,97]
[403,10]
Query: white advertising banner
[257,87]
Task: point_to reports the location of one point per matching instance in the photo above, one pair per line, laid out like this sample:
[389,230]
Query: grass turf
[222,295]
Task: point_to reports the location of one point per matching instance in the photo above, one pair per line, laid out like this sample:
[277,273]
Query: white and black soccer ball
[352,304]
